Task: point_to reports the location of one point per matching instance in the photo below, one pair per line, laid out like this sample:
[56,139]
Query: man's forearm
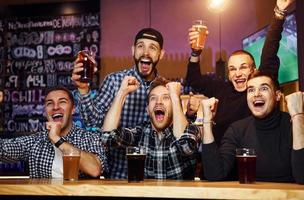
[298,131]
[112,118]
[179,119]
[207,133]
[90,164]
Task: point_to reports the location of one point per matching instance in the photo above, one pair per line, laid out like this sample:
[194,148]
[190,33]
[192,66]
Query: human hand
[295,103]
[193,105]
[129,84]
[175,89]
[54,129]
[82,87]
[194,35]
[284,4]
[209,108]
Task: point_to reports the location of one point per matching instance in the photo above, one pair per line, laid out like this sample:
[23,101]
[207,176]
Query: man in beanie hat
[147,50]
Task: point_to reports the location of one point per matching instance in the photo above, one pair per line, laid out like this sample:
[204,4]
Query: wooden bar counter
[151,189]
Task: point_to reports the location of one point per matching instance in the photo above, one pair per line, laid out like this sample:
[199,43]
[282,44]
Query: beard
[137,61]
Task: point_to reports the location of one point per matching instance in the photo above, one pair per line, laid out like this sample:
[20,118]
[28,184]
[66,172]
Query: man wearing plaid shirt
[169,140]
[43,150]
[147,51]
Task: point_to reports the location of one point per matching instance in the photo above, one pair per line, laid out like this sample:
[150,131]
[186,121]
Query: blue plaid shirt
[93,111]
[38,150]
[167,157]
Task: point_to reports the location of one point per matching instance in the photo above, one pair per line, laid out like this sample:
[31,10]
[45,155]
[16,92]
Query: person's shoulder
[119,75]
[242,123]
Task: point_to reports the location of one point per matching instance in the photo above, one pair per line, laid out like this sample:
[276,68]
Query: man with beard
[232,93]
[277,137]
[169,140]
[43,150]
[147,50]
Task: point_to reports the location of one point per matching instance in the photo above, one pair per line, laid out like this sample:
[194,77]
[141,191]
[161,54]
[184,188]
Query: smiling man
[147,50]
[170,141]
[43,150]
[277,137]
[232,93]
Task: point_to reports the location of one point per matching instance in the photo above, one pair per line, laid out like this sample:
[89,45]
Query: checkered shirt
[38,150]
[93,111]
[168,157]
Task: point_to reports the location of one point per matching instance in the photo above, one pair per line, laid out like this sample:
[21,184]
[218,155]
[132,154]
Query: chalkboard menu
[38,52]
[2,61]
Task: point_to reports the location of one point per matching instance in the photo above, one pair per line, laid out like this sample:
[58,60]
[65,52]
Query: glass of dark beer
[136,157]
[246,163]
[71,158]
[87,59]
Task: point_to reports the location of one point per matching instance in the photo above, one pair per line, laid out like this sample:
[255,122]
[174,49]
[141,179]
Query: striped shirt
[93,111]
[167,157]
[38,150]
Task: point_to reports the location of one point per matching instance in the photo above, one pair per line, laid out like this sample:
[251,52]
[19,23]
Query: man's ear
[162,53]
[73,110]
[278,94]
[132,49]
[147,110]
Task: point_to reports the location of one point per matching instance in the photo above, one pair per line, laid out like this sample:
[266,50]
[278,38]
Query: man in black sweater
[277,137]
[232,94]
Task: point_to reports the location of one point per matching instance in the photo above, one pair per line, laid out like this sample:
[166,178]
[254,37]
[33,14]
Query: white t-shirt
[57,167]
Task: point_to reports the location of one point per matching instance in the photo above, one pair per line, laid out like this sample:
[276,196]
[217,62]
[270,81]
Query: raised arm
[295,104]
[269,59]
[209,110]
[111,121]
[217,162]
[179,120]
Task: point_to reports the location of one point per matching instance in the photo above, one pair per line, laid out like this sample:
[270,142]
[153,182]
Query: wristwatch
[59,142]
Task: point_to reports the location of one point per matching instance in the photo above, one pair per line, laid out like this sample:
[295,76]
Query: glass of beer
[71,158]
[201,28]
[136,157]
[246,164]
[87,59]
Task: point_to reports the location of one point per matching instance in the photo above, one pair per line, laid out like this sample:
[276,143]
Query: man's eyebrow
[140,42]
[63,98]
[244,64]
[265,84]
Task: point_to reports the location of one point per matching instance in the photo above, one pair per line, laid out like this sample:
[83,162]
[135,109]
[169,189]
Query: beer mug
[87,59]
[200,26]
[136,157]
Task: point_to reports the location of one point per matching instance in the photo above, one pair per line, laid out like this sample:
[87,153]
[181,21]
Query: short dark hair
[150,33]
[158,81]
[239,52]
[62,88]
[273,78]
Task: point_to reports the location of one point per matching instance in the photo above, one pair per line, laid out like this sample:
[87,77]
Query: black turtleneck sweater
[233,104]
[271,137]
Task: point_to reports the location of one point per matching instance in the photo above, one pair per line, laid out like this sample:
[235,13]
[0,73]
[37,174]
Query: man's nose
[238,72]
[257,92]
[159,101]
[146,51]
[56,106]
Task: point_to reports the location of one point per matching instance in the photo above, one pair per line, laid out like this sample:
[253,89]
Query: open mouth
[159,114]
[258,103]
[240,81]
[57,117]
[145,64]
